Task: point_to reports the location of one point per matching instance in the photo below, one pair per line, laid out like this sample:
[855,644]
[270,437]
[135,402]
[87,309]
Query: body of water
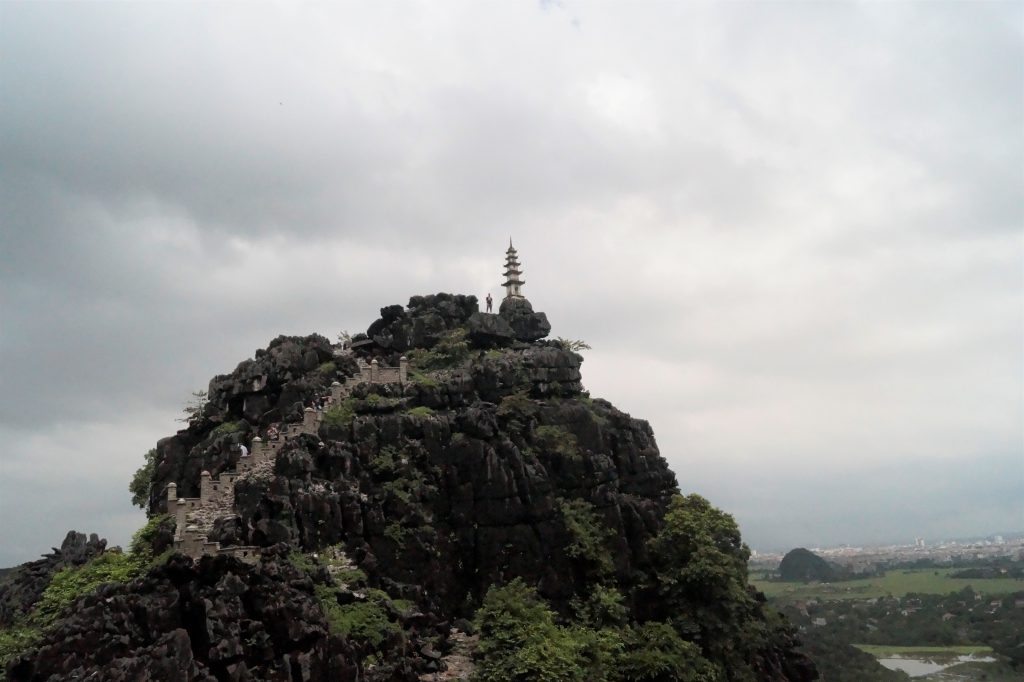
[916,666]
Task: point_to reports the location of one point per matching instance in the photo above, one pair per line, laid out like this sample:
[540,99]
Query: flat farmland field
[894,583]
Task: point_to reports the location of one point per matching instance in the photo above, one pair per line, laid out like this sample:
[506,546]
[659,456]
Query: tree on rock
[141,481]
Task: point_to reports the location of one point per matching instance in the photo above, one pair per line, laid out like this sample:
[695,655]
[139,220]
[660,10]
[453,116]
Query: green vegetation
[71,583]
[421,411]
[574,345]
[451,350]
[423,379]
[590,537]
[194,407]
[521,642]
[363,621]
[142,480]
[559,440]
[518,404]
[895,583]
[914,612]
[655,652]
[302,561]
[228,428]
[386,461]
[602,607]
[340,415]
[378,401]
[327,369]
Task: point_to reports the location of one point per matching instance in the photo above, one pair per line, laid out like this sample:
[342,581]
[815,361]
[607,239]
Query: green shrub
[376,400]
[327,369]
[451,350]
[141,545]
[365,621]
[559,440]
[519,641]
[14,641]
[227,428]
[590,537]
[74,582]
[142,480]
[655,652]
[421,411]
[395,533]
[518,404]
[385,462]
[602,607]
[574,345]
[423,379]
[340,415]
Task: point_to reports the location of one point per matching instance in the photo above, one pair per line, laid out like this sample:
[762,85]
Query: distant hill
[803,565]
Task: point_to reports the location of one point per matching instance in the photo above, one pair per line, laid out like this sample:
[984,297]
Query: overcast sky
[792,233]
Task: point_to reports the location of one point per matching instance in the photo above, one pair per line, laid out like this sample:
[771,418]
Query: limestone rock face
[256,381]
[486,329]
[464,477]
[217,620]
[526,324]
[422,323]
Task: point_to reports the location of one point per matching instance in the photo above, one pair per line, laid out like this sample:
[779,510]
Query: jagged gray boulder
[526,325]
[486,329]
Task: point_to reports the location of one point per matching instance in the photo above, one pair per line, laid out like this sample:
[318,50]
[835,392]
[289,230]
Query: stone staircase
[196,516]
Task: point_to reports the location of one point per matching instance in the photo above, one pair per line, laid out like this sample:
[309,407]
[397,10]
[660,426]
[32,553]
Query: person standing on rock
[489,302]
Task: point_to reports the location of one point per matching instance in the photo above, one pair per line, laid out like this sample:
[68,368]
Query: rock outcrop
[526,324]
[478,470]
[24,585]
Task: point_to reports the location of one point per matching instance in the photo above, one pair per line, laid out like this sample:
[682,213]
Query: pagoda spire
[512,283]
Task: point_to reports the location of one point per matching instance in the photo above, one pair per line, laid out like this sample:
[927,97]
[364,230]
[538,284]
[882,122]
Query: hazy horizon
[793,233]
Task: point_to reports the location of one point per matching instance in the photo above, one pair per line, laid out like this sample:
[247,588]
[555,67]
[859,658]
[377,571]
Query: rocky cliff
[383,533]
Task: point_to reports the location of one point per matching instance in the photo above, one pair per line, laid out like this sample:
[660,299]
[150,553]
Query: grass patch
[421,411]
[340,415]
[378,401]
[896,583]
[559,440]
[365,621]
[227,428]
[395,533]
[517,405]
[451,350]
[423,379]
[890,650]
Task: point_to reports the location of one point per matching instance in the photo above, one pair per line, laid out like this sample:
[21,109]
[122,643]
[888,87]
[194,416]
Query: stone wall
[195,516]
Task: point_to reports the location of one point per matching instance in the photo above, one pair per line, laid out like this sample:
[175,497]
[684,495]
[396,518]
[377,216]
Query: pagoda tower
[512,272]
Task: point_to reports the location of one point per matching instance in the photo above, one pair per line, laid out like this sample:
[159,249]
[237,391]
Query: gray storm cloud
[793,233]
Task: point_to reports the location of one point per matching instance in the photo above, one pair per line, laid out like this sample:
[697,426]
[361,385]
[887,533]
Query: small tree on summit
[574,345]
[194,407]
